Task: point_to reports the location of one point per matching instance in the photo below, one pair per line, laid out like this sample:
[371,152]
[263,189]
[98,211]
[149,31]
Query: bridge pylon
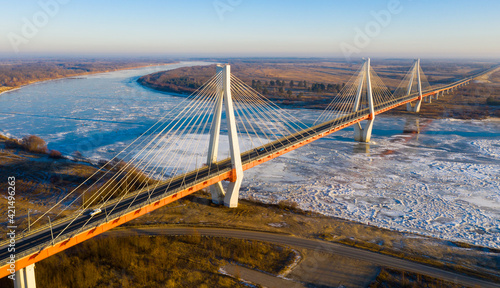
[416,72]
[219,196]
[364,134]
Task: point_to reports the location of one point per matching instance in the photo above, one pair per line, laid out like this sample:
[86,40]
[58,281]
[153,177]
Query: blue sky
[228,28]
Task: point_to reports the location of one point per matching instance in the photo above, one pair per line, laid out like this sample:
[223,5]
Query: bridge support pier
[415,107]
[412,126]
[25,278]
[229,198]
[364,134]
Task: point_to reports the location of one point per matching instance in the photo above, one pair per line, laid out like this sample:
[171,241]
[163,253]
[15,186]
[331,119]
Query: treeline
[181,80]
[22,73]
[297,88]
[163,82]
[30,143]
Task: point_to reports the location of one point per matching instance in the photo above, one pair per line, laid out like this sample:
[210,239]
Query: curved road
[322,246]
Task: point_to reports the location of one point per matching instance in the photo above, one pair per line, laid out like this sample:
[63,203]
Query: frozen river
[442,182]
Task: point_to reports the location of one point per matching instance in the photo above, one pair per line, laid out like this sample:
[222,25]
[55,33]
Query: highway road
[318,245]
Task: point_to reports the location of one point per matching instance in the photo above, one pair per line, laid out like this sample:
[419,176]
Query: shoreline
[81,74]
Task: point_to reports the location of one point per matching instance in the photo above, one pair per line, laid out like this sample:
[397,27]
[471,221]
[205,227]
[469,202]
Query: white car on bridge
[95,212]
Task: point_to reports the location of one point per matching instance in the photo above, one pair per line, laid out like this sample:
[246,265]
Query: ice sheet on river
[441,185]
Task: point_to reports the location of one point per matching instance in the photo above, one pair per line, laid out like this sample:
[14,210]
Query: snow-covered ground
[442,182]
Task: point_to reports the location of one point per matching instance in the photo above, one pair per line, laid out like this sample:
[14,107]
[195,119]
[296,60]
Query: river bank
[5,89]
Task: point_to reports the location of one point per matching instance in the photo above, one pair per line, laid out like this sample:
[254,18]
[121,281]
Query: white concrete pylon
[230,198]
[364,134]
[25,277]
[213,147]
[415,107]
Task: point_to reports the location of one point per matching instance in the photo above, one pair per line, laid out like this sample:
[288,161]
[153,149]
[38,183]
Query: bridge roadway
[38,244]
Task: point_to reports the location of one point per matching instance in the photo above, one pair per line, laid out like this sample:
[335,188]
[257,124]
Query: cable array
[424,80]
[344,103]
[175,147]
[259,120]
[404,89]
[147,160]
[382,96]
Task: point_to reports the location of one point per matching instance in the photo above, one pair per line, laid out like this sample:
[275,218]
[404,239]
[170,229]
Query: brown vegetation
[158,261]
[29,143]
[182,80]
[186,80]
[55,154]
[41,181]
[393,278]
[34,144]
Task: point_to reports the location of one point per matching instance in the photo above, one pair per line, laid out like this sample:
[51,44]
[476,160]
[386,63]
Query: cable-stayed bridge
[214,135]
